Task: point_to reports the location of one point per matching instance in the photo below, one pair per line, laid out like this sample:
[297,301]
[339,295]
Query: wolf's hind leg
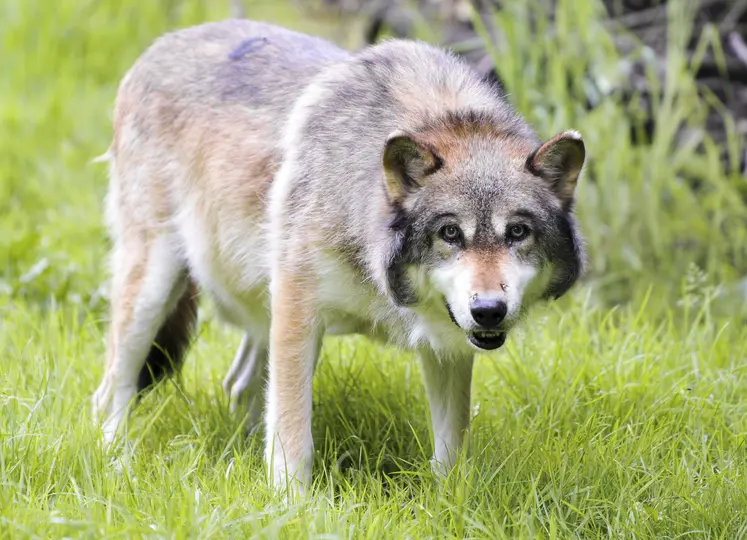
[245,382]
[448,388]
[149,281]
[239,360]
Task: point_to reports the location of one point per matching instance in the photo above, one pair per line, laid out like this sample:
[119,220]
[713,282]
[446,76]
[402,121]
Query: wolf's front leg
[448,388]
[294,344]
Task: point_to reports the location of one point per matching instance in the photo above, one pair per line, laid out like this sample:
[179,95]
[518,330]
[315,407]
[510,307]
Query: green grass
[620,411]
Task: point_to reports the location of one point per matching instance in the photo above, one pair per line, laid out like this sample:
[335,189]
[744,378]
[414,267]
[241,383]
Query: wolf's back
[236,61]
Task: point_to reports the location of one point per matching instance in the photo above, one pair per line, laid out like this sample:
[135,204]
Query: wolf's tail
[166,355]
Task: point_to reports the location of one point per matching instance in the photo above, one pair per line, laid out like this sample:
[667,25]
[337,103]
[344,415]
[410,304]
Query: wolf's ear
[406,163]
[559,162]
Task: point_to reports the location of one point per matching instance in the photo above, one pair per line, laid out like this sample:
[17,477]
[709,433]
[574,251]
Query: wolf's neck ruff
[391,192]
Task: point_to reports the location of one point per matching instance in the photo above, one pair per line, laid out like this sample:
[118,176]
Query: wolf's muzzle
[488,312]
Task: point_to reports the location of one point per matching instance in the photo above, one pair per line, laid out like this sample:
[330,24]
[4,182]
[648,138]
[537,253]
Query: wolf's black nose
[488,313]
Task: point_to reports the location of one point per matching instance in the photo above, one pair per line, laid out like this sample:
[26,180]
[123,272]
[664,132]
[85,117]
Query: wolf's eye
[517,232]
[451,233]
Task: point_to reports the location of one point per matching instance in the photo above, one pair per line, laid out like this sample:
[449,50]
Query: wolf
[308,190]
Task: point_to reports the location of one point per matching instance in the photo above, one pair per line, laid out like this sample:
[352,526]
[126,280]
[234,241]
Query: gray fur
[310,190]
[266,68]
[340,147]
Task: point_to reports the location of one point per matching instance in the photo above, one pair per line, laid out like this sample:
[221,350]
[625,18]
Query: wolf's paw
[247,407]
[110,405]
[292,488]
[290,478]
[100,402]
[439,469]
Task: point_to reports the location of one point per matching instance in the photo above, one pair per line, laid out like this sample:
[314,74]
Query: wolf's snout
[488,312]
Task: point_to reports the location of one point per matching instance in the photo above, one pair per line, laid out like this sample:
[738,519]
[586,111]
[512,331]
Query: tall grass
[649,211]
[619,411]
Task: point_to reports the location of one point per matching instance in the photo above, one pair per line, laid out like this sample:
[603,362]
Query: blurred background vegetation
[657,89]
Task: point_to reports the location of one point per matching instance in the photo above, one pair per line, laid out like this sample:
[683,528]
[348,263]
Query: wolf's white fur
[151,306]
[207,188]
[448,387]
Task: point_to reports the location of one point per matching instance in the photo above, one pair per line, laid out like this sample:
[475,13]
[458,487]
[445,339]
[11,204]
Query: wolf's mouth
[488,341]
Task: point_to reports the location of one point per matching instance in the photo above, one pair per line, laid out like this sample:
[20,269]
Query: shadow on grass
[369,418]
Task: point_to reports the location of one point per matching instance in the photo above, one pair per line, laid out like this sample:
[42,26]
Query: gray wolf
[307,191]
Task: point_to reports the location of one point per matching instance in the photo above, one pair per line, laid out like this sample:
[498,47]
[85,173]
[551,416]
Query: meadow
[619,411]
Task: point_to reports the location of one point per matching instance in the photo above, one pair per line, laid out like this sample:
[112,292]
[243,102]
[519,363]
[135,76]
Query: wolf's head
[482,222]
